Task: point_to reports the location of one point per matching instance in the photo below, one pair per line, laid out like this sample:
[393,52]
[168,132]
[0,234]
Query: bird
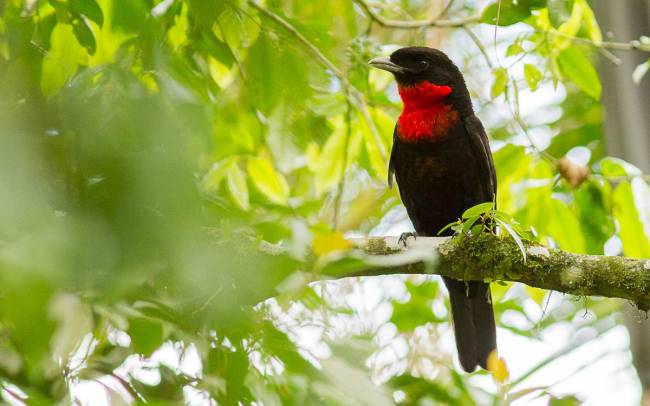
[443,165]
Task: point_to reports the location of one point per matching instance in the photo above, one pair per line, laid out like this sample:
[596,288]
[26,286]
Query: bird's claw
[403,239]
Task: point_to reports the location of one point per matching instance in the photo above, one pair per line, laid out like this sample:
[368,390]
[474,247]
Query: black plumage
[439,178]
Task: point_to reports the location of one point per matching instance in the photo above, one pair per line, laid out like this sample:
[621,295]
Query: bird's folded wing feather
[481,149]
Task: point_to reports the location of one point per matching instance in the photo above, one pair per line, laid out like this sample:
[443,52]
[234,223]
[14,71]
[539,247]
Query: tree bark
[627,130]
[490,258]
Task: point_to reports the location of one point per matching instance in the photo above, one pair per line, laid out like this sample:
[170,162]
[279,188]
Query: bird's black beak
[387,65]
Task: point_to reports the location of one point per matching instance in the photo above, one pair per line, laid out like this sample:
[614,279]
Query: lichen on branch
[490,258]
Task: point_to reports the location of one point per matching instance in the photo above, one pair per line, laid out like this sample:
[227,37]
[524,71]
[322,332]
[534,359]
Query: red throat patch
[425,115]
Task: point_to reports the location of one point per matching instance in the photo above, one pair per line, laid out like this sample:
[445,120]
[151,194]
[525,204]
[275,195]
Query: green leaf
[500,81]
[507,11]
[514,49]
[329,168]
[536,294]
[267,180]
[213,46]
[469,223]
[617,167]
[177,34]
[513,235]
[591,24]
[477,229]
[146,335]
[503,216]
[575,64]
[61,62]
[417,311]
[88,8]
[479,209]
[571,26]
[84,33]
[636,242]
[417,388]
[375,146]
[212,180]
[28,323]
[592,203]
[533,76]
[131,15]
[277,73]
[562,224]
[237,186]
[448,226]
[564,401]
[343,265]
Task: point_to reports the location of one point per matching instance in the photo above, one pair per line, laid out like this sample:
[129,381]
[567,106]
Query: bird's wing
[481,147]
[391,164]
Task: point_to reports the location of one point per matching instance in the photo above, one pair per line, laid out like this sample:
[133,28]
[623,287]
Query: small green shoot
[484,218]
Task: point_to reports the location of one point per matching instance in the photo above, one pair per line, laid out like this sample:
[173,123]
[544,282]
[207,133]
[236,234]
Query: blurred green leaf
[533,76]
[570,27]
[505,12]
[591,24]
[237,186]
[267,180]
[636,242]
[418,310]
[500,81]
[62,60]
[514,49]
[564,401]
[146,335]
[329,169]
[83,32]
[575,64]
[88,8]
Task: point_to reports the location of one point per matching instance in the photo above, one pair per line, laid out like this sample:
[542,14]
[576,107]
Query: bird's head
[426,75]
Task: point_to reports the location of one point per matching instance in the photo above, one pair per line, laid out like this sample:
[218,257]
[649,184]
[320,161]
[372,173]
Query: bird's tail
[473,320]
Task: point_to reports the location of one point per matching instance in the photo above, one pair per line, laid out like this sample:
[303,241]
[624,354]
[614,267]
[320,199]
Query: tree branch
[492,258]
[411,24]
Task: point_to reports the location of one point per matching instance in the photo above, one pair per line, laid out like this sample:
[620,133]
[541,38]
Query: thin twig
[516,114]
[479,45]
[414,24]
[610,56]
[496,28]
[634,45]
[624,178]
[573,345]
[445,10]
[12,393]
[514,111]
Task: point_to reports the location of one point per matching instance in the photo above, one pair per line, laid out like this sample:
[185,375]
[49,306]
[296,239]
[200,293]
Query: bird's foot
[403,239]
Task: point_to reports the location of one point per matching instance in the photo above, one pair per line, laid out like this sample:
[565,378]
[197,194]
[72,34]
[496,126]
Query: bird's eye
[423,64]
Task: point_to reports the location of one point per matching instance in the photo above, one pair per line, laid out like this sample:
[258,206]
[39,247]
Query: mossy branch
[491,258]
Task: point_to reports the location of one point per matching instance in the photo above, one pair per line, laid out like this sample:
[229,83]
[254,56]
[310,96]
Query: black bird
[442,163]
